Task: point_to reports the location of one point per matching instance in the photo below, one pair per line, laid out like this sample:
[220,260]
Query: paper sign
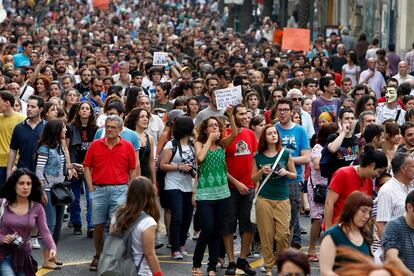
[228,96]
[160,58]
[296,39]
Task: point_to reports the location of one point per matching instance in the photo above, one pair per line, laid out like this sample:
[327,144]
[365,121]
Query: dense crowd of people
[327,133]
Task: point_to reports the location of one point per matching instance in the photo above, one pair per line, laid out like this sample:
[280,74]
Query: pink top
[12,223]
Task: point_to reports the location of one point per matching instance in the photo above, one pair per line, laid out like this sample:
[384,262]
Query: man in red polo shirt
[110,163]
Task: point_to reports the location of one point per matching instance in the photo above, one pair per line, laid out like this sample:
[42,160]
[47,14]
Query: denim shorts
[105,200]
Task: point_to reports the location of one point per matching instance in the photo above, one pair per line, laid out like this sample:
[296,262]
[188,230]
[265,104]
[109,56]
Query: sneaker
[94,264]
[183,251]
[35,243]
[244,265]
[89,234]
[231,269]
[168,245]
[177,256]
[263,269]
[77,229]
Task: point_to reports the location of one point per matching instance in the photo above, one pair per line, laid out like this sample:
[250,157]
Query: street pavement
[76,252]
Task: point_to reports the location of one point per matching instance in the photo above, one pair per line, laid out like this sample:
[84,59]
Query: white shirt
[402,79]
[29,91]
[307,123]
[391,200]
[384,113]
[376,82]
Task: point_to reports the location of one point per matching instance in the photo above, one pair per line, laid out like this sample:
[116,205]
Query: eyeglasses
[213,125]
[283,110]
[296,99]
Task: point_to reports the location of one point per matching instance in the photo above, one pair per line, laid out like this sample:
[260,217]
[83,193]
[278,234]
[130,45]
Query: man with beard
[240,148]
[26,135]
[407,132]
[25,90]
[95,96]
[294,138]
[85,84]
[60,68]
[211,110]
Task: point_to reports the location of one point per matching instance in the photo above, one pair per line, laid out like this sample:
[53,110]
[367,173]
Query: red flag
[101,4]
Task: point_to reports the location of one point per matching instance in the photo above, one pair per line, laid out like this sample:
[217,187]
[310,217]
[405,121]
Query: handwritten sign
[160,58]
[228,96]
[296,39]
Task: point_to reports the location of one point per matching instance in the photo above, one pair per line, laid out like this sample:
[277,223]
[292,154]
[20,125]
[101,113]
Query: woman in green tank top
[272,204]
[211,192]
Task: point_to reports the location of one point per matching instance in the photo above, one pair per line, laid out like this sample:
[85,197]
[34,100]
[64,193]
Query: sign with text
[160,58]
[296,39]
[228,96]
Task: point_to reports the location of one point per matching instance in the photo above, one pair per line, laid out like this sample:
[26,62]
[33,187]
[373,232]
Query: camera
[17,242]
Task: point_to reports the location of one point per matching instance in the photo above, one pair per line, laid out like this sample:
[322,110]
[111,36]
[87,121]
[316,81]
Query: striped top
[399,235]
[50,180]
[391,200]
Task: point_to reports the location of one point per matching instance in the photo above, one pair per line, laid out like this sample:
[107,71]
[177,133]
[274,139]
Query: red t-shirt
[345,181]
[239,156]
[110,166]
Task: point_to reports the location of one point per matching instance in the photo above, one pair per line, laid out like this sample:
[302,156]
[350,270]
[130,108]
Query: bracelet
[158,273]
[178,167]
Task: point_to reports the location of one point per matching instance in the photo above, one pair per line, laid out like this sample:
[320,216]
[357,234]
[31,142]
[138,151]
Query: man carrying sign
[211,110]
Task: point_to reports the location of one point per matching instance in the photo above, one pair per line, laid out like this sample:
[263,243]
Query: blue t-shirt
[294,140]
[129,135]
[21,60]
[94,104]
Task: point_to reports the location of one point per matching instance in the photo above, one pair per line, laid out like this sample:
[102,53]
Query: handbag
[61,193]
[253,209]
[319,192]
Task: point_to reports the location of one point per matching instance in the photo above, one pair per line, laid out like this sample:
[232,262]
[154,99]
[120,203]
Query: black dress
[144,155]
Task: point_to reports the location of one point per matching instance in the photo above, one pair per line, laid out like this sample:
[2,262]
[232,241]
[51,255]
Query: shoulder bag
[253,209]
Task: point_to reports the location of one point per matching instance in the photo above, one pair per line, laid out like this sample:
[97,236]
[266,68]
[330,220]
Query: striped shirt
[399,235]
[391,200]
[409,58]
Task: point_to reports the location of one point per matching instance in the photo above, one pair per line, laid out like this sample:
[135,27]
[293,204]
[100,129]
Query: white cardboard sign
[228,96]
[160,58]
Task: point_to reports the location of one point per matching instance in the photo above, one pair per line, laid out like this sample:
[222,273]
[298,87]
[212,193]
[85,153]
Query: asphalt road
[77,251]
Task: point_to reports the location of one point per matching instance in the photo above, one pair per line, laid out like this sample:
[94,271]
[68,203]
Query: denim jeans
[6,268]
[294,197]
[54,217]
[75,208]
[105,199]
[3,175]
[210,215]
[181,215]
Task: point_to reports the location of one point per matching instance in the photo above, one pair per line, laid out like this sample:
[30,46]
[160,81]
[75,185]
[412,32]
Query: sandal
[197,271]
[56,261]
[222,263]
[313,258]
[51,265]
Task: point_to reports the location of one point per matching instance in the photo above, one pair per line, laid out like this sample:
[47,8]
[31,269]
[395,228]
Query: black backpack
[327,164]
[160,174]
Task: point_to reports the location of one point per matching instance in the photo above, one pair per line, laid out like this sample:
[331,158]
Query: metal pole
[311,17]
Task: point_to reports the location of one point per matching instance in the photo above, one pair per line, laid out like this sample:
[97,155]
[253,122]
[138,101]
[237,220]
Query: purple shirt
[321,105]
[12,223]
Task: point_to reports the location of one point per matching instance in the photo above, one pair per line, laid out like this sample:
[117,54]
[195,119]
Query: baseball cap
[173,115]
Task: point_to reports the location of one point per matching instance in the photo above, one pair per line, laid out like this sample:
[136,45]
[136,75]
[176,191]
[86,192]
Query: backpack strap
[398,115]
[127,234]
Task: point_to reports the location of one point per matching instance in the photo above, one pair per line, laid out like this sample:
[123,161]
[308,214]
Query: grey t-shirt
[206,113]
[400,236]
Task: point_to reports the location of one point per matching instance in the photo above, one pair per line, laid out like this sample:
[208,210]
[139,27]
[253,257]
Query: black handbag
[61,193]
[319,192]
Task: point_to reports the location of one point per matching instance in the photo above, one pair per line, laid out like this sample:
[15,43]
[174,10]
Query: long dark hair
[133,117]
[131,101]
[9,188]
[51,134]
[140,198]
[352,204]
[91,120]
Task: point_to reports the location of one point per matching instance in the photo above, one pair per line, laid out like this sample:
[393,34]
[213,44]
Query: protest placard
[296,39]
[160,58]
[228,96]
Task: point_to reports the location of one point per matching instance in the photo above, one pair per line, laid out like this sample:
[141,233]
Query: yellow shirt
[7,125]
